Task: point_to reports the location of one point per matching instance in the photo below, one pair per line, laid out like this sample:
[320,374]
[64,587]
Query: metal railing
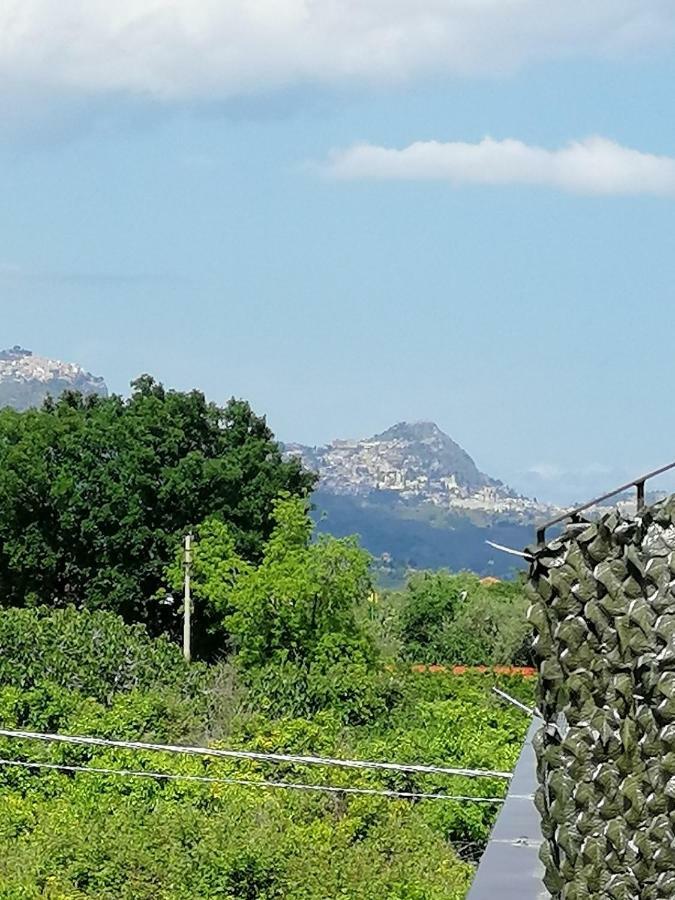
[638,483]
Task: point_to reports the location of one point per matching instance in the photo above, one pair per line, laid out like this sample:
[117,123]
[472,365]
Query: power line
[282,785]
[514,701]
[249,754]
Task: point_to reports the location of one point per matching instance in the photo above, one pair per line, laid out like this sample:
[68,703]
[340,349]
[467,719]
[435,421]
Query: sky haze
[354,213]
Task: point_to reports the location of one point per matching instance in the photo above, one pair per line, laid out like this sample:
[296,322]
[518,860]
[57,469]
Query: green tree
[293,622]
[301,593]
[96,493]
[459,618]
[490,627]
[430,603]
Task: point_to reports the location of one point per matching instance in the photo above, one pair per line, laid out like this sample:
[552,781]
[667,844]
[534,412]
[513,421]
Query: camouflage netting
[603,608]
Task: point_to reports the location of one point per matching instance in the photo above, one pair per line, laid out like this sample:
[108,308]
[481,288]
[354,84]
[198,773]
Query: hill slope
[417,499]
[26,380]
[402,536]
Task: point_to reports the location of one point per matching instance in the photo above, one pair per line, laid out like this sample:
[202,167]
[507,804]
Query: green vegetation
[298,655]
[96,493]
[95,836]
[292,623]
[448,618]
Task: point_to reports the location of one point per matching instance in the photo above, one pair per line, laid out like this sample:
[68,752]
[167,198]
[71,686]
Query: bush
[490,629]
[98,837]
[430,603]
[245,846]
[340,677]
[449,619]
[93,653]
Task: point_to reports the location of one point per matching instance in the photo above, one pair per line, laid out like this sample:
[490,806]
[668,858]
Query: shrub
[341,677]
[94,653]
[458,619]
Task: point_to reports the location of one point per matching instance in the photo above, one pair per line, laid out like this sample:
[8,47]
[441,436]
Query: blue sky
[205,216]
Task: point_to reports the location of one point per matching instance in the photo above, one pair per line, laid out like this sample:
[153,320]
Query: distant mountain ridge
[26,380]
[414,496]
[417,499]
[426,448]
[415,462]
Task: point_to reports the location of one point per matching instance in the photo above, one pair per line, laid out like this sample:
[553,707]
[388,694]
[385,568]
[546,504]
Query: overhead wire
[282,785]
[514,702]
[253,755]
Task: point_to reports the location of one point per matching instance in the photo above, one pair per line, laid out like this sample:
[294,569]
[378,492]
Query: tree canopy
[97,492]
[445,617]
[297,609]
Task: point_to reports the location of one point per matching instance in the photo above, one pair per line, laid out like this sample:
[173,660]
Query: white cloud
[547,471]
[186,50]
[567,485]
[592,166]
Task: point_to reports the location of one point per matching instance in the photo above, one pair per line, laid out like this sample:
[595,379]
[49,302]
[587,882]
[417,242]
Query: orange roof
[525,671]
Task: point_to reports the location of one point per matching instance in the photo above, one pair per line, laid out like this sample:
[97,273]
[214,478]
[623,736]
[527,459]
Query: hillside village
[415,462]
[27,379]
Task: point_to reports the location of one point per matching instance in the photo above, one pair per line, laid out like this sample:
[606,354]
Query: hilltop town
[416,463]
[26,379]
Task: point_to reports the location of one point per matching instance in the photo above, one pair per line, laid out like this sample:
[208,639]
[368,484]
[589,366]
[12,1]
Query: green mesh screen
[603,608]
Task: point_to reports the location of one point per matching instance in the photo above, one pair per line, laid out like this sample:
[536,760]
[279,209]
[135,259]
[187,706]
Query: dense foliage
[97,836]
[96,493]
[299,655]
[292,621]
[94,653]
[447,618]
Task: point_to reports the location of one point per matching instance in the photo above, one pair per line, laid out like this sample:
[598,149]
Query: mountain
[429,452]
[417,459]
[26,380]
[417,500]
[414,463]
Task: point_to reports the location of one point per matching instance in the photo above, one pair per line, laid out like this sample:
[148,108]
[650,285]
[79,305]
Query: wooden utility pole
[187,601]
